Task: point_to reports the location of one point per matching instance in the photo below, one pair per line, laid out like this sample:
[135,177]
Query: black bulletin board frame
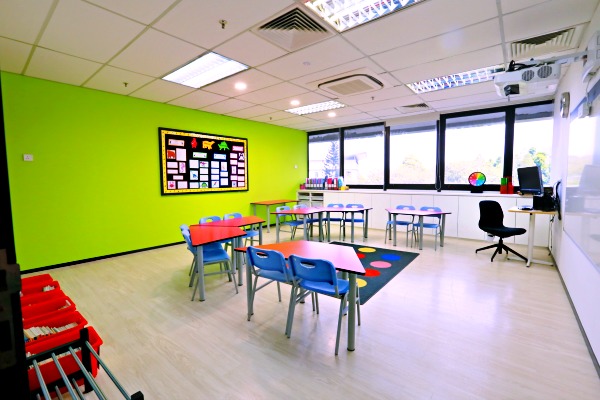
[194,162]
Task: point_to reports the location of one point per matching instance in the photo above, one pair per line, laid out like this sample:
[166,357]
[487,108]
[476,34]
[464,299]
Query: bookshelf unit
[311,198]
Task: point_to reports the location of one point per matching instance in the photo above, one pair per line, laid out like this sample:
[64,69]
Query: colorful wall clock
[476,180]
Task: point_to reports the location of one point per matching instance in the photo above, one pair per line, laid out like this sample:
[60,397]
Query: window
[324,155]
[474,143]
[413,153]
[363,155]
[533,139]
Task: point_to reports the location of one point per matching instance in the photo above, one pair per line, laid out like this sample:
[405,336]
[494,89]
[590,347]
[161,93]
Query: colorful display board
[194,162]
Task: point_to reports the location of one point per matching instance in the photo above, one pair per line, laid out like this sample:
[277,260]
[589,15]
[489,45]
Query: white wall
[581,277]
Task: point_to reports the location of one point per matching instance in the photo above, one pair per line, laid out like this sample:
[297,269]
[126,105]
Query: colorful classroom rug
[381,266]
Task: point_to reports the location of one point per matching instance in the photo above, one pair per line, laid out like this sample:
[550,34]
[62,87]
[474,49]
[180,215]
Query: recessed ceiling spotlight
[241,86]
[295,102]
[331,114]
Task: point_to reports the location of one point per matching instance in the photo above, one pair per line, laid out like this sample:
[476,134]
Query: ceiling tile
[509,6]
[227,106]
[325,54]
[144,11]
[250,49]
[47,64]
[379,95]
[461,63]
[421,21]
[304,99]
[250,112]
[116,80]
[13,55]
[183,20]
[283,90]
[156,54]
[253,78]
[273,116]
[470,90]
[22,20]
[161,91]
[87,36]
[452,44]
[549,16]
[198,99]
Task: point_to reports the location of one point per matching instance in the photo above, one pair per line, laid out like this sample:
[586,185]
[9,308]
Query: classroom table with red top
[268,204]
[343,258]
[201,235]
[238,223]
[420,213]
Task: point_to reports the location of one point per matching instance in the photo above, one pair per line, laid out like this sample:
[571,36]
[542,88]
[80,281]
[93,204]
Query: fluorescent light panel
[456,80]
[346,14]
[207,69]
[317,107]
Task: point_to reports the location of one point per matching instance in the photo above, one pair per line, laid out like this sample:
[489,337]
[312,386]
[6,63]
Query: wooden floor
[452,325]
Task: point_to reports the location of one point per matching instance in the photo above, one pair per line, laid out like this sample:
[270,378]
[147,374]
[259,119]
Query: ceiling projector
[535,79]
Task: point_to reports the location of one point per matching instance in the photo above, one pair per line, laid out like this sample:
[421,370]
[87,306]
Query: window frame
[439,183]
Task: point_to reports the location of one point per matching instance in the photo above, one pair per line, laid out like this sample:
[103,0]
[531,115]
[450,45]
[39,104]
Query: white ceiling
[125,47]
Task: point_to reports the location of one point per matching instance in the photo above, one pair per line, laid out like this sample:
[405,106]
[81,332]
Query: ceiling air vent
[351,85]
[293,30]
[411,108]
[547,44]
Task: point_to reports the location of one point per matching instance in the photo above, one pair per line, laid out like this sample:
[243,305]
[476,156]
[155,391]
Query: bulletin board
[194,162]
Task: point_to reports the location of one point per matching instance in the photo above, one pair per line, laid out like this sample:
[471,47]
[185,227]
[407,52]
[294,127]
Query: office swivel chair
[491,221]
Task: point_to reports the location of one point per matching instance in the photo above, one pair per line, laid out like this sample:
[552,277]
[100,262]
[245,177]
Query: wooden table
[531,232]
[238,223]
[344,259]
[420,213]
[268,204]
[201,235]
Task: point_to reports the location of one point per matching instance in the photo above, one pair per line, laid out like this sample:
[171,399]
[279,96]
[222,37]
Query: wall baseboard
[97,258]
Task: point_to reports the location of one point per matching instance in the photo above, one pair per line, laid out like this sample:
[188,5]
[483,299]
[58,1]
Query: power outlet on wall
[27,157]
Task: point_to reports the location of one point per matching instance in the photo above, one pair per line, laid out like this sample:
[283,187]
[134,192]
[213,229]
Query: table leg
[237,259]
[260,233]
[420,232]
[352,227]
[276,229]
[306,237]
[321,233]
[442,229]
[352,313]
[269,219]
[328,226]
[200,278]
[249,284]
[366,225]
[530,238]
[394,228]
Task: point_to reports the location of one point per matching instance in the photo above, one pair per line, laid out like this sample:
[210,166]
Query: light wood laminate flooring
[452,325]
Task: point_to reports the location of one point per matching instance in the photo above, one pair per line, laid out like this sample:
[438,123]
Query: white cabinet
[310,198]
[463,222]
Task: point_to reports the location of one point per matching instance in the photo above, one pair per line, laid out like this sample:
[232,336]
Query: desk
[268,204]
[201,235]
[305,212]
[344,259]
[352,211]
[238,223]
[531,232]
[419,213]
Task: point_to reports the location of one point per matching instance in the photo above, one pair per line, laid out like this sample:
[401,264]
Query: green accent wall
[93,188]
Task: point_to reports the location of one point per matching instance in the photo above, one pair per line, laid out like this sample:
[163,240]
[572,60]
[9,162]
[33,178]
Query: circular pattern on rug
[366,250]
[360,255]
[369,272]
[361,282]
[380,264]
[390,257]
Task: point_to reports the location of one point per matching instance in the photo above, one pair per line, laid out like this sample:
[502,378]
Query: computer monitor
[530,180]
